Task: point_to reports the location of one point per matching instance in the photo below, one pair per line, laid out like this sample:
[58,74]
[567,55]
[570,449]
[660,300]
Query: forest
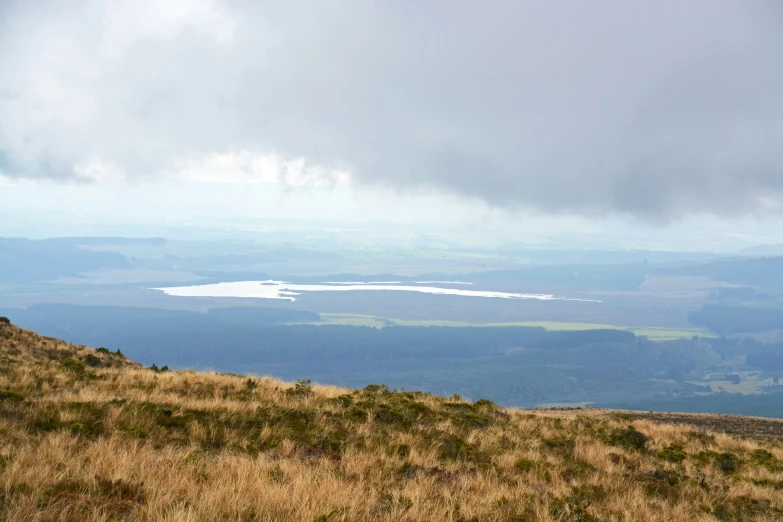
[523,366]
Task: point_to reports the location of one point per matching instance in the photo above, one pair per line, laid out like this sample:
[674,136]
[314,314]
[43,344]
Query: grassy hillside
[88,435]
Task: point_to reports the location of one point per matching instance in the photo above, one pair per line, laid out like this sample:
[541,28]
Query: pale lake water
[283,290]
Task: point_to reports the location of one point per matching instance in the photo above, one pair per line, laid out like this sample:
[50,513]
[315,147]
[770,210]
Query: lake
[283,290]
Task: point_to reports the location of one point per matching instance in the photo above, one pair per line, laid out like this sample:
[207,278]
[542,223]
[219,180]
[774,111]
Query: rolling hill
[88,435]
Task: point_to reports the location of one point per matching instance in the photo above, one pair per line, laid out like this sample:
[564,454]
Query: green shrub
[561,444]
[740,509]
[344,400]
[277,475]
[701,436]
[4,461]
[628,438]
[301,389]
[524,465]
[72,365]
[672,453]
[356,414]
[456,448]
[386,414]
[387,503]
[768,483]
[464,415]
[486,403]
[91,360]
[726,462]
[402,451]
[332,442]
[767,460]
[46,421]
[7,395]
[574,507]
[137,432]
[576,469]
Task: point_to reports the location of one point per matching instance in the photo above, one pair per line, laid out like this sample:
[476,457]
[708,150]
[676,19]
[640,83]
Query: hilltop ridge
[90,435]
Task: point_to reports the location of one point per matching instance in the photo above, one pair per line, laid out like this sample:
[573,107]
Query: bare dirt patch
[760,428]
[752,427]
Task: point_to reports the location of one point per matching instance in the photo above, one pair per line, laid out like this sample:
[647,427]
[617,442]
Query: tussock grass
[88,435]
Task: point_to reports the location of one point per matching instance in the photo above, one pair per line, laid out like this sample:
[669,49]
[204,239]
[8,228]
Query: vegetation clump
[301,389]
[454,447]
[561,444]
[672,453]
[523,465]
[726,462]
[629,438]
[767,460]
[7,395]
[576,506]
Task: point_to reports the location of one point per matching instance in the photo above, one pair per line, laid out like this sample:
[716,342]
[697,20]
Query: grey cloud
[655,109]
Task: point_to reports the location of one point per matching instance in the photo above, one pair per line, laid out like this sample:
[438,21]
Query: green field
[354,320]
[653,333]
[745,387]
[668,334]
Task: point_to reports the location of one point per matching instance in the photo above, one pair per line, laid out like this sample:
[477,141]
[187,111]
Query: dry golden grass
[85,439]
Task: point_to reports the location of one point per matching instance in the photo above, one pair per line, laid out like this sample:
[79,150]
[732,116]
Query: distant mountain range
[772,249]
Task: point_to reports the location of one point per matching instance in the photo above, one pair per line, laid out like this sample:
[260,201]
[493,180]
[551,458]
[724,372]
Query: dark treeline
[24,260]
[767,360]
[766,405]
[763,272]
[242,336]
[766,357]
[260,315]
[511,365]
[729,320]
[255,336]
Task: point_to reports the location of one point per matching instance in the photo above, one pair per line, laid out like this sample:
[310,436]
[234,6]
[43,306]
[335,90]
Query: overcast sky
[662,112]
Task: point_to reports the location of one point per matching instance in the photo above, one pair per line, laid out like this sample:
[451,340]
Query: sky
[659,120]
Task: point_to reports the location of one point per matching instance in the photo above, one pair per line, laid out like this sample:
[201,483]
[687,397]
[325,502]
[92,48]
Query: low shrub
[767,460]
[11,396]
[628,438]
[72,365]
[301,389]
[91,360]
[523,465]
[560,444]
[726,462]
[672,453]
[456,448]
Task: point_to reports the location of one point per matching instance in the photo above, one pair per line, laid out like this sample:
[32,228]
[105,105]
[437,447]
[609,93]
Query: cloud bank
[655,109]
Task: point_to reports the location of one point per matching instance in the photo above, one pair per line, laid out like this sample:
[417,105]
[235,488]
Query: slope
[87,435]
